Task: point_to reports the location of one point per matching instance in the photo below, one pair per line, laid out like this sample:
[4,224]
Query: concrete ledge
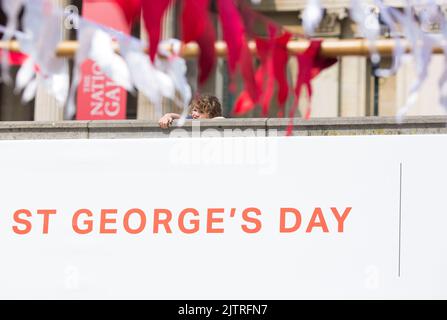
[146,129]
[222,128]
[359,126]
[34,130]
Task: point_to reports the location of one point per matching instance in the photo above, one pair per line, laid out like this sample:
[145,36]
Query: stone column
[353,86]
[428,99]
[325,99]
[354,75]
[387,91]
[326,86]
[46,107]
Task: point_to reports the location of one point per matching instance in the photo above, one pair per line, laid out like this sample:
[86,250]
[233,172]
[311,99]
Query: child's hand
[165,121]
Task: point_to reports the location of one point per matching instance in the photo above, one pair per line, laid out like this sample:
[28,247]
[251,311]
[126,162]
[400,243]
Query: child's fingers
[165,123]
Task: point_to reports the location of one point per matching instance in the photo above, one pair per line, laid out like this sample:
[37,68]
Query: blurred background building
[347,89]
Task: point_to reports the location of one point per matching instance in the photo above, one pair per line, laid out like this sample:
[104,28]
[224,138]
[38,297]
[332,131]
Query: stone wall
[260,127]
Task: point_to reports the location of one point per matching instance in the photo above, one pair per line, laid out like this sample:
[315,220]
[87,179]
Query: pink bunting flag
[14,58]
[310,64]
[131,9]
[153,12]
[273,57]
[233,31]
[197,26]
[239,54]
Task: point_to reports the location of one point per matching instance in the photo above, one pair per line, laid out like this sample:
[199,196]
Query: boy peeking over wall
[201,107]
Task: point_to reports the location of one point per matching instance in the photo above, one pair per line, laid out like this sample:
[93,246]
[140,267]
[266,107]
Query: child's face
[196,114]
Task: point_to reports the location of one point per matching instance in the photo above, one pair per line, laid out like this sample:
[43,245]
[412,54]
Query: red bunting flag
[310,64]
[259,86]
[14,58]
[280,58]
[273,57]
[131,10]
[197,26]
[153,13]
[233,31]
[238,52]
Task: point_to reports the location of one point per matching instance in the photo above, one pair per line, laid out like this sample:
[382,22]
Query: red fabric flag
[245,102]
[197,26]
[14,58]
[238,52]
[280,58]
[310,64]
[248,74]
[273,57]
[233,31]
[265,76]
[153,12]
[131,9]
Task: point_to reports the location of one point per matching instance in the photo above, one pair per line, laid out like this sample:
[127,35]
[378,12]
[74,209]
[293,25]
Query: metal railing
[329,48]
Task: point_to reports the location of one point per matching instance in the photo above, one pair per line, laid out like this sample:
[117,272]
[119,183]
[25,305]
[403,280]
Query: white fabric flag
[312,16]
[12,9]
[42,34]
[169,61]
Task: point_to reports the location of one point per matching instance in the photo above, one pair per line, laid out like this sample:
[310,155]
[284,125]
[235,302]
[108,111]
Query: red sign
[99,98]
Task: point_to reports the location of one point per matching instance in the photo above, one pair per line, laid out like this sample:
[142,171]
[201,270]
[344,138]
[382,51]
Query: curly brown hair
[208,104]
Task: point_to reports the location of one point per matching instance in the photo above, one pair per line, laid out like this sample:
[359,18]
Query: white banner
[358,217]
